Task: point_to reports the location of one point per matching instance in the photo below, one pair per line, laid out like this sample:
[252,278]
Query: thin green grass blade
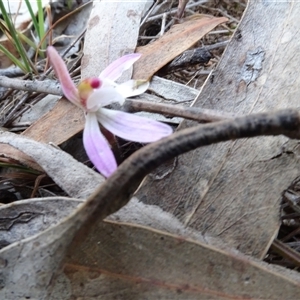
[41,23]
[33,17]
[18,167]
[29,42]
[17,43]
[15,60]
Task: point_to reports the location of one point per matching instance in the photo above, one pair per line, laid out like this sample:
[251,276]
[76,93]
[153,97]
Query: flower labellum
[93,94]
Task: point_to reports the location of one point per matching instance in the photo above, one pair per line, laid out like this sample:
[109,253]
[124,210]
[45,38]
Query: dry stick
[14,109]
[189,58]
[46,86]
[180,8]
[117,190]
[174,10]
[286,251]
[18,113]
[191,113]
[12,71]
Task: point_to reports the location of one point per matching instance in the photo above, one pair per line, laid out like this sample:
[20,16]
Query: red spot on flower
[95,83]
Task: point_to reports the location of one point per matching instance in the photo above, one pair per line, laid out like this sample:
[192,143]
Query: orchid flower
[93,94]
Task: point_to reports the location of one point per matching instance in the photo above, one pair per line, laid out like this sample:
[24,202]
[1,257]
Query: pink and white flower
[93,94]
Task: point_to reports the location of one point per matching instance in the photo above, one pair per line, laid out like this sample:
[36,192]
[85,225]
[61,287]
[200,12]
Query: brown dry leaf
[61,123]
[233,190]
[178,39]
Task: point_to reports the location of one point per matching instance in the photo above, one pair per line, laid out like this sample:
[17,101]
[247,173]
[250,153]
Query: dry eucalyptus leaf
[115,24]
[232,190]
[76,179]
[162,90]
[178,39]
[68,119]
[125,261]
[27,218]
[19,157]
[170,90]
[32,246]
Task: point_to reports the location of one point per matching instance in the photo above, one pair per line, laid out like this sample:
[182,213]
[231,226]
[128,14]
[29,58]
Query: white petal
[102,97]
[97,147]
[117,67]
[131,127]
[132,88]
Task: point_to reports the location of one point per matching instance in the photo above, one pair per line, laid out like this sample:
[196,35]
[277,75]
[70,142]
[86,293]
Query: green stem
[41,31]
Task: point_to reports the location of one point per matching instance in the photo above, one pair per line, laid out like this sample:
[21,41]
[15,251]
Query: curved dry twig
[117,190]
